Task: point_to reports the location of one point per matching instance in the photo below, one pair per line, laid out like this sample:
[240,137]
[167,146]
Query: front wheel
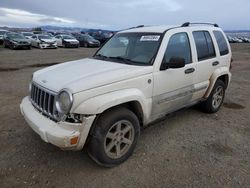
[114,137]
[4,45]
[215,99]
[86,45]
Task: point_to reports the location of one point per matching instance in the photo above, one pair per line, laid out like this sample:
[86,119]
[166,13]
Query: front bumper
[71,45]
[94,45]
[59,134]
[21,46]
[48,45]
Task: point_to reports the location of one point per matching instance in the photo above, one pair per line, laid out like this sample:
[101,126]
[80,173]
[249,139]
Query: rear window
[222,43]
[204,45]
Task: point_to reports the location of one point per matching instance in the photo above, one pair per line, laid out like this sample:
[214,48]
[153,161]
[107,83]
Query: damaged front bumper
[65,135]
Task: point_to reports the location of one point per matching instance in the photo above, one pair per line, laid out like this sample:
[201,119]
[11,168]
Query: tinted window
[210,44]
[221,42]
[204,45]
[178,47]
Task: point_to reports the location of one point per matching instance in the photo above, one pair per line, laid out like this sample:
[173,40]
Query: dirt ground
[187,149]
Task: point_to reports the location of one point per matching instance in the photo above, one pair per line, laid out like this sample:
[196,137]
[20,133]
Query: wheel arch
[221,74]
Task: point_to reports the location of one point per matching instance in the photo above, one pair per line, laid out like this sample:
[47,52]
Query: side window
[221,43]
[210,44]
[204,45]
[178,47]
[34,37]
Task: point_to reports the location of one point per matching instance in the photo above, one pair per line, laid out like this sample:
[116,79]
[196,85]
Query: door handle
[215,63]
[188,71]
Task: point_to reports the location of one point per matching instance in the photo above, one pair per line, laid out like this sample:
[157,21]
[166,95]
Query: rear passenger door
[205,61]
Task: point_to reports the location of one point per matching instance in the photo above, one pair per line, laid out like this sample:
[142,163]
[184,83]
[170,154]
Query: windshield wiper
[127,61]
[101,56]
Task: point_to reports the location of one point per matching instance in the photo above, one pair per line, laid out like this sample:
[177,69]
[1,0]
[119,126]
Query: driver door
[173,87]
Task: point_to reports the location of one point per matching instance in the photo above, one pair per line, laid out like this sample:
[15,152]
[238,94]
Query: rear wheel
[114,137]
[215,99]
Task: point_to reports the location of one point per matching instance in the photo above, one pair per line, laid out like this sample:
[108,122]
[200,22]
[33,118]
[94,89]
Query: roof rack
[187,24]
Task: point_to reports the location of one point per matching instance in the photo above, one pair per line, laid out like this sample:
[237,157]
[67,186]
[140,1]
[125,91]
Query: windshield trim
[95,56]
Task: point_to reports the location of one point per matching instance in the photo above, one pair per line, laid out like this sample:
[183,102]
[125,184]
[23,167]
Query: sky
[120,14]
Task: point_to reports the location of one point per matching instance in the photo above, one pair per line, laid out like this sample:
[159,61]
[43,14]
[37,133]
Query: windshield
[89,37]
[27,34]
[67,37]
[131,48]
[44,37]
[15,36]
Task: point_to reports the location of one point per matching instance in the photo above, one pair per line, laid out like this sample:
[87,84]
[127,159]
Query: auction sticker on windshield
[150,38]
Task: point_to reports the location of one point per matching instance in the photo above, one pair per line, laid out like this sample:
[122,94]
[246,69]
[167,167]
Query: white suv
[138,76]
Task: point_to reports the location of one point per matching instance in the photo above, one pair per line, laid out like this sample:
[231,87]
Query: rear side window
[178,47]
[204,45]
[221,43]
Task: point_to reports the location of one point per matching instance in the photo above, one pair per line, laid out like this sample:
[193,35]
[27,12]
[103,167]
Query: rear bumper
[59,134]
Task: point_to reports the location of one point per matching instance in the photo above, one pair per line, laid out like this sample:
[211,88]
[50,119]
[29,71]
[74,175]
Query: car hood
[48,40]
[19,40]
[70,40]
[86,74]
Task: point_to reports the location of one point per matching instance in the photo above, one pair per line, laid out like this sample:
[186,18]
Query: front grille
[44,101]
[23,42]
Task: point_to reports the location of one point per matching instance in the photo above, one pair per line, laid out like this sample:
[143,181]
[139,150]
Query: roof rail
[187,24]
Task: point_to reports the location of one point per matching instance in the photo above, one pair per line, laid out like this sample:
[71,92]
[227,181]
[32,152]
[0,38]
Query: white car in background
[43,41]
[27,35]
[65,41]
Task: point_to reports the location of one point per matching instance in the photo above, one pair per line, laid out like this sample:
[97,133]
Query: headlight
[64,101]
[14,42]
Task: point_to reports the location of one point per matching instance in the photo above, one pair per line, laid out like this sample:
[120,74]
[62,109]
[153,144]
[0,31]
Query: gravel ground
[186,149]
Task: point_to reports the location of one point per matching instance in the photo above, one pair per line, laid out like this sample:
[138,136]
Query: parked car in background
[237,40]
[66,41]
[15,40]
[244,39]
[27,35]
[43,41]
[86,40]
[230,39]
[102,37]
[2,32]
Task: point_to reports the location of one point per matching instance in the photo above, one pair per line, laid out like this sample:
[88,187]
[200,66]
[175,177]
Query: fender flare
[100,103]
[218,72]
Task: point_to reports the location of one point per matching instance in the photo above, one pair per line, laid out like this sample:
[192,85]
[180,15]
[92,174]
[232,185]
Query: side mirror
[174,63]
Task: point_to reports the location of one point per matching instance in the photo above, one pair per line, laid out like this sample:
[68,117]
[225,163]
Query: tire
[86,45]
[114,129]
[4,45]
[12,47]
[210,105]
